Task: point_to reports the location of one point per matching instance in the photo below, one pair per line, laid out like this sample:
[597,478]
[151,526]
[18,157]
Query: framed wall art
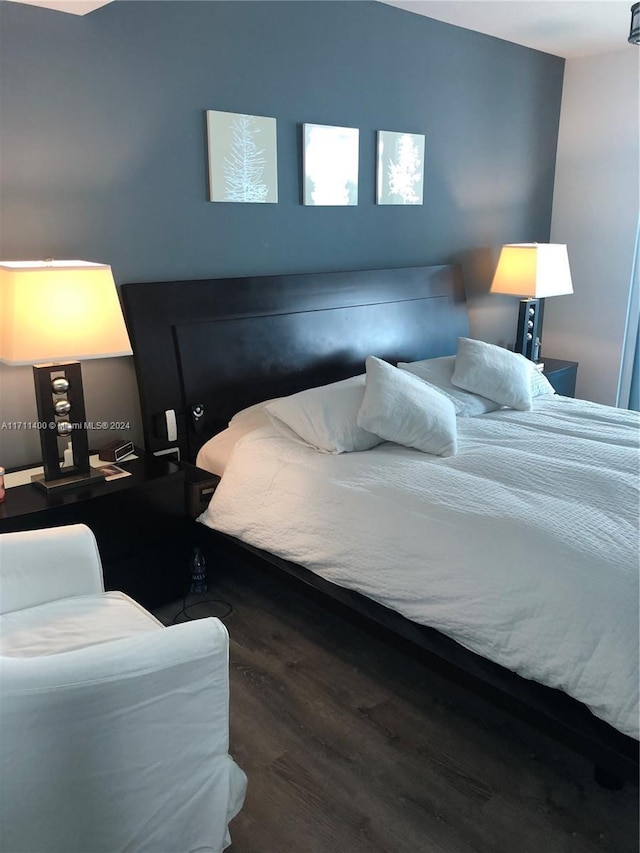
[400,177]
[330,164]
[243,162]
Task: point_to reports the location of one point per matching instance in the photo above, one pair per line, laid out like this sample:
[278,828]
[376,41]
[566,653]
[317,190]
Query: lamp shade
[58,310]
[533,270]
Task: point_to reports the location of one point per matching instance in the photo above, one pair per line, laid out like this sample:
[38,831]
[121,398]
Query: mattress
[523,547]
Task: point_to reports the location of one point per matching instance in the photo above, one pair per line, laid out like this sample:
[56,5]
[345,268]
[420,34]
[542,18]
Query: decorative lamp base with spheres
[61,414]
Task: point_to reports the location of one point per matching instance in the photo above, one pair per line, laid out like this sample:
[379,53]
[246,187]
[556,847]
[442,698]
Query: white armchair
[113,729]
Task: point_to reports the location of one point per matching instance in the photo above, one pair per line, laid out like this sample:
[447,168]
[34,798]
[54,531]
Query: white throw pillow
[493,372]
[540,385]
[402,408]
[438,372]
[325,418]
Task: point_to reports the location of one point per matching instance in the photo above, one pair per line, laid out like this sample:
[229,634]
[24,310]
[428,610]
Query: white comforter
[523,547]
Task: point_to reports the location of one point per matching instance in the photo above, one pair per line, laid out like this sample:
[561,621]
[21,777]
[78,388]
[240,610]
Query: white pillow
[493,372]
[402,408]
[540,385]
[325,418]
[438,372]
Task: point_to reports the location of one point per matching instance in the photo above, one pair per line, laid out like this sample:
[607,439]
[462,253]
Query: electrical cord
[185,607]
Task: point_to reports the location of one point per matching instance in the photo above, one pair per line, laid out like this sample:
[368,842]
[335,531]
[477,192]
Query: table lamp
[533,271]
[52,311]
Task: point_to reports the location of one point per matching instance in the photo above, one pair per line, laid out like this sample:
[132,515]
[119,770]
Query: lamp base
[73,481]
[529,328]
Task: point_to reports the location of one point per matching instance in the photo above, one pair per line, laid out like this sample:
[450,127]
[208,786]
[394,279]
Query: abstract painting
[243,163]
[400,168]
[330,165]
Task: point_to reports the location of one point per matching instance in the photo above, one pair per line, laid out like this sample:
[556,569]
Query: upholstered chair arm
[116,713]
[37,566]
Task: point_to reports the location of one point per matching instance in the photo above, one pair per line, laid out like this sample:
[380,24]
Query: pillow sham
[540,385]
[438,372]
[325,418]
[493,372]
[401,408]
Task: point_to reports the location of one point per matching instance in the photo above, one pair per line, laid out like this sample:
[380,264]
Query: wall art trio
[243,162]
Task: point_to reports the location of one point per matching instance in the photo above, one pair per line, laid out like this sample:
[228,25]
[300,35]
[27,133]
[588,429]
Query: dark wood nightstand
[140,524]
[200,486]
[562,375]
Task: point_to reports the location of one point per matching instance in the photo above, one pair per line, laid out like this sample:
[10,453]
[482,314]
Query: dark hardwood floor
[350,746]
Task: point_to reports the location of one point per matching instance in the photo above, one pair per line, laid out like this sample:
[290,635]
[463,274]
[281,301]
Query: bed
[206,350]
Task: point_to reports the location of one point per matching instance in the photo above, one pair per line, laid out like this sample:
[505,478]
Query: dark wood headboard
[218,345]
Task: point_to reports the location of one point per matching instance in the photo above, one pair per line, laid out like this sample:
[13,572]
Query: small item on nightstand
[198,572]
[115,451]
[2,491]
[113,472]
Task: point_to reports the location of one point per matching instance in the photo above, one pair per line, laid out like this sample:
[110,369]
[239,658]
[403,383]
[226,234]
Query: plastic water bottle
[198,572]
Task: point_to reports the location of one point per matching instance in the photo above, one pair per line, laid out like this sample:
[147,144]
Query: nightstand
[562,375]
[200,486]
[140,524]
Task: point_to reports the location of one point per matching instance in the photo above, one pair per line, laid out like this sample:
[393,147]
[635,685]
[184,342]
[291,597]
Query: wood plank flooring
[350,746]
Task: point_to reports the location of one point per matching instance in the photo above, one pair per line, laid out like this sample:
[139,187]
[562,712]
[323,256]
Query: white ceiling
[76,7]
[566,28]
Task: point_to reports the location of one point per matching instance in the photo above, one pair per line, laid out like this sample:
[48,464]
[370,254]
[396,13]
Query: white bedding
[523,547]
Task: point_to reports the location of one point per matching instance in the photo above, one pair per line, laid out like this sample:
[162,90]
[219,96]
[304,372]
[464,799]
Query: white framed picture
[243,160]
[400,168]
[330,164]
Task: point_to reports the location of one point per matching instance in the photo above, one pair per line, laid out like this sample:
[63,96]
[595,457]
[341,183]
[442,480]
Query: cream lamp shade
[534,270]
[59,310]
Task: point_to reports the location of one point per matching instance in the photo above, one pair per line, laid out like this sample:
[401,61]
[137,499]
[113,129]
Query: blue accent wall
[103,152]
